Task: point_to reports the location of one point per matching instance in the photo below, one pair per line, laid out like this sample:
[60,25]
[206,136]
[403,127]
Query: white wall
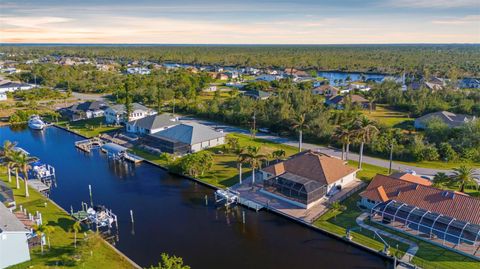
[342,182]
[13,248]
[207,144]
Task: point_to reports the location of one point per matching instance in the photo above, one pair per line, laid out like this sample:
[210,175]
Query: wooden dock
[38,185]
[88,144]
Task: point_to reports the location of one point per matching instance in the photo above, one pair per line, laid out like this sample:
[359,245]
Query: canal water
[336,78]
[171,216]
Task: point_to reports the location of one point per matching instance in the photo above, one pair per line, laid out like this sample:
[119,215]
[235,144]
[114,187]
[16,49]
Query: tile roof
[314,166]
[412,178]
[448,203]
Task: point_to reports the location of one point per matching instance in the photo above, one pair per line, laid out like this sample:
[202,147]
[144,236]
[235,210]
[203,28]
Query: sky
[240,22]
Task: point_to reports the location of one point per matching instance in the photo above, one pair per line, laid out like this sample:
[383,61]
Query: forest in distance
[435,59]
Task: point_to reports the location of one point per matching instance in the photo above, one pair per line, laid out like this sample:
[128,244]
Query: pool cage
[296,188]
[447,231]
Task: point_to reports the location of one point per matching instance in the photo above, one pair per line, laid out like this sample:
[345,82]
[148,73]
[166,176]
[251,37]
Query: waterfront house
[304,179]
[327,90]
[447,218]
[151,124]
[138,70]
[85,110]
[339,101]
[13,239]
[449,118]
[116,114]
[9,86]
[268,78]
[470,83]
[186,138]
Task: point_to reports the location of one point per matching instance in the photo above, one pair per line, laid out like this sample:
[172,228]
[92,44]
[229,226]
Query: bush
[447,152]
[430,153]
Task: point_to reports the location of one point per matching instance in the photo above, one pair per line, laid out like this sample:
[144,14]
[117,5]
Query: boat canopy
[114,148]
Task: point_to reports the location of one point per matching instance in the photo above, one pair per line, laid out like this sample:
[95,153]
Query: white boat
[36,123]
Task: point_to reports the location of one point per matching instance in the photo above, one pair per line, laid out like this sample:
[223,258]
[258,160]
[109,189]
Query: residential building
[222,76]
[470,83]
[268,78]
[211,88]
[304,179]
[151,124]
[3,96]
[185,138]
[13,239]
[327,90]
[412,178]
[116,114]
[86,110]
[449,118]
[9,86]
[257,94]
[339,101]
[138,70]
[447,218]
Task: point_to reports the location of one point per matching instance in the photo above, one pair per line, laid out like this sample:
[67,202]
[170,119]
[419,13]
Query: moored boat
[36,123]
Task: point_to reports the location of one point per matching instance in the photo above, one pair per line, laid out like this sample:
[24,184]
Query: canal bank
[171,215]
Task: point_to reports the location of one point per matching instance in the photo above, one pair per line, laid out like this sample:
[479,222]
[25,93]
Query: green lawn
[440,164]
[388,117]
[89,127]
[93,253]
[368,171]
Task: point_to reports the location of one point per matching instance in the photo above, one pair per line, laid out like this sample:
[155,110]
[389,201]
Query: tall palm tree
[300,123]
[278,154]
[6,155]
[239,152]
[365,130]
[254,158]
[345,133]
[439,179]
[41,230]
[22,162]
[77,226]
[464,176]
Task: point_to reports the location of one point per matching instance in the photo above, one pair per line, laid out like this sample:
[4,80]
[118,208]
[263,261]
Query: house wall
[13,248]
[208,144]
[342,182]
[367,203]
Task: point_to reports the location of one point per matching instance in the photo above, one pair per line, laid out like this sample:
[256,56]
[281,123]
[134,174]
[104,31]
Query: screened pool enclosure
[296,188]
[447,231]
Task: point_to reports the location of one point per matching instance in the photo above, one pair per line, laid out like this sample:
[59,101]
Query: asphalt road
[326,150]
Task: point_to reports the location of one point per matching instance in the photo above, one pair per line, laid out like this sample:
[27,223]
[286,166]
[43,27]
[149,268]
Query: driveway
[323,149]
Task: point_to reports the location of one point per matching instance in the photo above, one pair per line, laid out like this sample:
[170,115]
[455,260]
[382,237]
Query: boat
[36,123]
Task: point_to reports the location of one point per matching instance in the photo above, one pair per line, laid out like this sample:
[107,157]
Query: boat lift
[98,215]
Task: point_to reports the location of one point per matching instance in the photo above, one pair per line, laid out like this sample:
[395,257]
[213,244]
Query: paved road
[326,150]
[89,96]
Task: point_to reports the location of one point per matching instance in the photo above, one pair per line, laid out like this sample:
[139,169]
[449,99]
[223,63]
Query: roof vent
[398,193]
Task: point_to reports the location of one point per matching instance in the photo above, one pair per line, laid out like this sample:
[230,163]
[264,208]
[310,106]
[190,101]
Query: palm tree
[439,179]
[464,176]
[344,133]
[6,155]
[278,154]
[254,158]
[22,162]
[337,207]
[42,230]
[300,123]
[239,152]
[77,226]
[365,131]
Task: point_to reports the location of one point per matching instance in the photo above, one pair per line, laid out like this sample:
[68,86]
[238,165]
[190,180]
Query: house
[435,83]
[447,218]
[327,90]
[268,78]
[138,70]
[232,74]
[449,118]
[295,73]
[470,83]
[10,70]
[222,76]
[257,94]
[116,114]
[186,138]
[13,239]
[86,110]
[211,88]
[412,178]
[9,86]
[151,124]
[3,96]
[306,178]
[339,101]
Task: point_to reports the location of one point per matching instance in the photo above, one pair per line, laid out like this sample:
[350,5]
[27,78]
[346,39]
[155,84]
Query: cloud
[471,19]
[32,21]
[433,3]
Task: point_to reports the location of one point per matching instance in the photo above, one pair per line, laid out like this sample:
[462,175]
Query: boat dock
[88,144]
[38,185]
[229,197]
[117,152]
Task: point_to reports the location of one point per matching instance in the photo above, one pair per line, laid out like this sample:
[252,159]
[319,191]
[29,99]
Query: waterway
[171,216]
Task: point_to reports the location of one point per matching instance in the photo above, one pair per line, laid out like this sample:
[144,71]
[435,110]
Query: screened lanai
[297,188]
[447,231]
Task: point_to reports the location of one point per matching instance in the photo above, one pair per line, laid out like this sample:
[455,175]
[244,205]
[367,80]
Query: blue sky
[240,22]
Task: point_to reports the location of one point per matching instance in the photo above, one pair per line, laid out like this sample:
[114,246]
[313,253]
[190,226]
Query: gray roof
[120,108]
[451,119]
[189,133]
[154,121]
[9,222]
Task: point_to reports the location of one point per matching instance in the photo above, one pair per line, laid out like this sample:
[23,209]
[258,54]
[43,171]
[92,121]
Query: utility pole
[254,122]
[391,157]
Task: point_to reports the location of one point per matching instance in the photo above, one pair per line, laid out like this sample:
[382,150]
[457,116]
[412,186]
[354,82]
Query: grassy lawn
[388,117]
[440,164]
[89,127]
[368,171]
[90,253]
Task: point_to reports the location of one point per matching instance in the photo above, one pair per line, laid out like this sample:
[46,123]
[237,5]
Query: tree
[170,262]
[159,97]
[365,131]
[278,154]
[128,101]
[337,207]
[232,143]
[239,152]
[6,155]
[22,162]
[440,179]
[77,226]
[464,176]
[43,230]
[299,123]
[344,134]
[254,158]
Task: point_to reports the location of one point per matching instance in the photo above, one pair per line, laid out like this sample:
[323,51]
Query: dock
[229,197]
[38,185]
[88,144]
[117,152]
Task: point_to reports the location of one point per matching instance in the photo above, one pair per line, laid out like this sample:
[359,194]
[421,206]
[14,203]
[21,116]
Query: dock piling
[206,200]
[243,216]
[91,197]
[131,215]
